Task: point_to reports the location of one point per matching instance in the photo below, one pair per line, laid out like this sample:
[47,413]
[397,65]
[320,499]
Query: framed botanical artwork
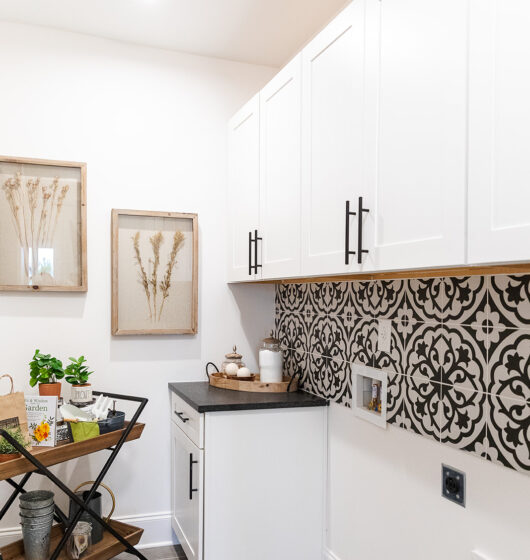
[42,225]
[154,272]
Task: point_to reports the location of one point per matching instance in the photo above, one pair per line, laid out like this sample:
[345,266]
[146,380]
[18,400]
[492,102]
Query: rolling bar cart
[118,537]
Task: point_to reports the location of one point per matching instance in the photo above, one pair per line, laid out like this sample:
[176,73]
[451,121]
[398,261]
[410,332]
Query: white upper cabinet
[333,170]
[279,229]
[243,193]
[499,131]
[416,132]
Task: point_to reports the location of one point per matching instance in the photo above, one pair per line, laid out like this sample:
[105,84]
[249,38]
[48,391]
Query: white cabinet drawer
[188,420]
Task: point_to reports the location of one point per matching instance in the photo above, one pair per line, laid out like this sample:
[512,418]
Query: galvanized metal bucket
[36,518]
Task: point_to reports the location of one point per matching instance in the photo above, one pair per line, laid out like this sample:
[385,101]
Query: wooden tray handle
[12,383]
[107,519]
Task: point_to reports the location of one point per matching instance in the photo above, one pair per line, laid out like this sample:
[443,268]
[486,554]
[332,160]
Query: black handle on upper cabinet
[256,239]
[360,249]
[192,462]
[250,253]
[347,251]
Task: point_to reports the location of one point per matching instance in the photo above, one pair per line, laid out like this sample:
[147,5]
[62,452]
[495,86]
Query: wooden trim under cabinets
[484,270]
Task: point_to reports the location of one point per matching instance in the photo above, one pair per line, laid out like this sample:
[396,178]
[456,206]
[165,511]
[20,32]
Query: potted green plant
[9,451]
[46,371]
[77,374]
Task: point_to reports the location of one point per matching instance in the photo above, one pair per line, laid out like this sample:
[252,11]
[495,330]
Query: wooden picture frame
[139,240]
[43,225]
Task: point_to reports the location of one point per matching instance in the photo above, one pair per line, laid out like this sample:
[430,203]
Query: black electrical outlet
[454,485]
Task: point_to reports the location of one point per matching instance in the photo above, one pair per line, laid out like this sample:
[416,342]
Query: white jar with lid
[270,361]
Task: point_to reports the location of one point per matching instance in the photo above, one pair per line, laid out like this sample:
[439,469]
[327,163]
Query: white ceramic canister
[270,361]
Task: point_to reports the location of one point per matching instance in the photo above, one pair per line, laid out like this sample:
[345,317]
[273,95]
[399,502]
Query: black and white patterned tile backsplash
[459,360]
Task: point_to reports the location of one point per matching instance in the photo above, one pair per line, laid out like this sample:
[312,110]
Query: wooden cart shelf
[65,452]
[105,549]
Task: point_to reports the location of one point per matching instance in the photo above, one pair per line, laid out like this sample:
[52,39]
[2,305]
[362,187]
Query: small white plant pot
[81,393]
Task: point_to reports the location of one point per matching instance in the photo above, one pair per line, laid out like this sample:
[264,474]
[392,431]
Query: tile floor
[157,553]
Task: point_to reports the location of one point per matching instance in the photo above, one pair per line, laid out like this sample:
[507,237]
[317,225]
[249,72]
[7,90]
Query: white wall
[384,498]
[151,125]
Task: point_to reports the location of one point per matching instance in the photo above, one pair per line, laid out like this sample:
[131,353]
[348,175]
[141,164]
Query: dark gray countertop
[204,398]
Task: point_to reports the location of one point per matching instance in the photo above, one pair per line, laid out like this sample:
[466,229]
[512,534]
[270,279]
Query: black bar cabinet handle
[250,253]
[181,416]
[256,239]
[360,249]
[192,462]
[347,251]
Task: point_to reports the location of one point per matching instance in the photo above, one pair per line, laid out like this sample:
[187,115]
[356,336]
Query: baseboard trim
[328,555]
[156,526]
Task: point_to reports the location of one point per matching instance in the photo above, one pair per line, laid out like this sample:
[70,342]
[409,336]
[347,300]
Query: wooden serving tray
[253,386]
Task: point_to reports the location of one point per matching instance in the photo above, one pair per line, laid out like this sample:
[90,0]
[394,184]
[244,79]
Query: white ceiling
[265,32]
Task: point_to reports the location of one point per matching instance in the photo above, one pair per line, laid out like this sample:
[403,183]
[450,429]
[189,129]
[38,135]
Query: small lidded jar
[233,362]
[270,360]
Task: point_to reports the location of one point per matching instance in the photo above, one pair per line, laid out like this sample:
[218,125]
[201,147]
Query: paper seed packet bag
[42,420]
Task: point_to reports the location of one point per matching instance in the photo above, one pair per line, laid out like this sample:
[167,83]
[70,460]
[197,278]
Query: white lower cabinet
[187,492]
[258,485]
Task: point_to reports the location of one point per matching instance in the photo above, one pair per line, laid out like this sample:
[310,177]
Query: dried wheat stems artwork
[154,272]
[150,283]
[42,225]
[35,210]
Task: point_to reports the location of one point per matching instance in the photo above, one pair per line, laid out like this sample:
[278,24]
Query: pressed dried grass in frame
[154,272]
[39,199]
[151,284]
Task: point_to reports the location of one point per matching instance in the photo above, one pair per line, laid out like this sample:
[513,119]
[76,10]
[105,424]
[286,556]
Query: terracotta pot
[50,389]
[4,457]
[81,393]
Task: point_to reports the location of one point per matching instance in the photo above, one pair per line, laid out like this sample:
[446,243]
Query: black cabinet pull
[181,416]
[192,462]
[256,239]
[347,251]
[250,253]
[360,213]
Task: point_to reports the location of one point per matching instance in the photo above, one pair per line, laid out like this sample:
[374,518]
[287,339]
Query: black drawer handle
[181,416]
[192,462]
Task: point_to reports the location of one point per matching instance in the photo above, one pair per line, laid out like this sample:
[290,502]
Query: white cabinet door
[499,131]
[256,507]
[280,172]
[187,493]
[243,192]
[416,95]
[333,156]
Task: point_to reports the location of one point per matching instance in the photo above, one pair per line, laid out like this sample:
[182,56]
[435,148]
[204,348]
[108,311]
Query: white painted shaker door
[187,493]
[332,144]
[499,131]
[243,191]
[416,95]
[280,108]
